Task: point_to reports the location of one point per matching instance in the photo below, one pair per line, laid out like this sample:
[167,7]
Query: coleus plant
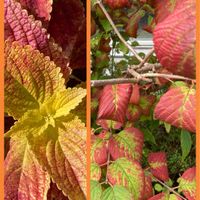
[139,124]
[46,157]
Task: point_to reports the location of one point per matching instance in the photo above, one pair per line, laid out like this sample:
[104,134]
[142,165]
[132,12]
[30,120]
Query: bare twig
[97,83]
[147,67]
[117,32]
[170,189]
[146,58]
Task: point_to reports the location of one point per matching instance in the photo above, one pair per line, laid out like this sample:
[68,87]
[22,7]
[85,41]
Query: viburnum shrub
[143,104]
[45,147]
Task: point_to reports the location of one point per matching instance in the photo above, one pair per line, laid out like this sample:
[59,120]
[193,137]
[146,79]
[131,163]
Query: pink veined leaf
[24,177]
[21,27]
[178,107]
[70,32]
[148,188]
[104,134]
[135,95]
[160,196]
[158,165]
[39,8]
[175,38]
[99,150]
[187,183]
[128,143]
[108,124]
[164,8]
[114,101]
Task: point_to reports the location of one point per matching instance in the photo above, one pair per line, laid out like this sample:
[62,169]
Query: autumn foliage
[143,104]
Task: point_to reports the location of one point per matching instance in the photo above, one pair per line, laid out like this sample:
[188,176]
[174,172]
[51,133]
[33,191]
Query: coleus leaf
[177,107]
[61,151]
[116,192]
[95,172]
[128,174]
[24,177]
[158,165]
[128,143]
[39,8]
[21,27]
[164,8]
[55,193]
[99,150]
[26,73]
[174,40]
[96,190]
[70,32]
[113,102]
[187,183]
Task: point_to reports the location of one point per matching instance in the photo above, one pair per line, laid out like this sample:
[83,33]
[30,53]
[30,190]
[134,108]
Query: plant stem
[117,32]
[170,189]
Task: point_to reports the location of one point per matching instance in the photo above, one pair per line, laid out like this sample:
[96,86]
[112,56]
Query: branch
[98,83]
[117,32]
[170,189]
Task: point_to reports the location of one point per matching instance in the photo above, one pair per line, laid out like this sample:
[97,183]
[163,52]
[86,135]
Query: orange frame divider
[198,99]
[2,100]
[88,20]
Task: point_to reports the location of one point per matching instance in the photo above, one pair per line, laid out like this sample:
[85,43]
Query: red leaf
[39,8]
[115,4]
[175,38]
[99,151]
[55,193]
[21,27]
[160,196]
[158,165]
[70,32]
[163,9]
[114,101]
[148,187]
[128,143]
[187,183]
[146,103]
[135,95]
[177,107]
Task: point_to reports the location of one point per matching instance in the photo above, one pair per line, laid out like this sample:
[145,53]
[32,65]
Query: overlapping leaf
[30,79]
[70,32]
[174,40]
[135,96]
[95,172]
[99,151]
[164,8]
[114,101]
[96,190]
[148,188]
[187,183]
[146,103]
[39,8]
[21,27]
[128,143]
[24,177]
[62,153]
[116,193]
[158,165]
[177,107]
[128,174]
[133,112]
[108,124]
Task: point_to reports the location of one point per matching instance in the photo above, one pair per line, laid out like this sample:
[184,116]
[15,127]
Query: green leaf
[128,174]
[167,127]
[106,25]
[116,193]
[96,190]
[186,143]
[95,172]
[158,187]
